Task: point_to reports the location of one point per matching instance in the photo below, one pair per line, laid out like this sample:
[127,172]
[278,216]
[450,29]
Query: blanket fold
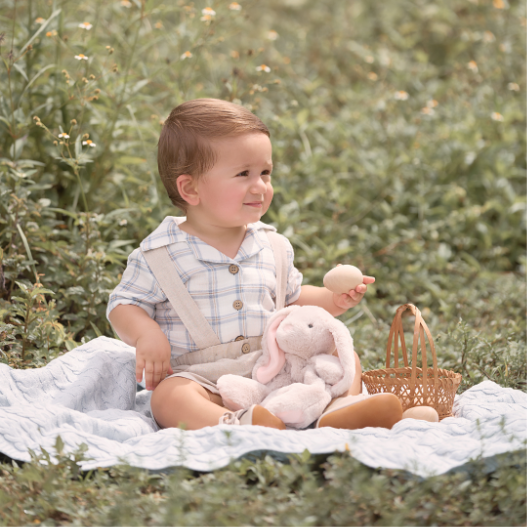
[88,395]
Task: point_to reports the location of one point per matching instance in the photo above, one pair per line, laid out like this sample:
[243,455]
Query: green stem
[82,190]
[13,133]
[28,55]
[25,331]
[127,72]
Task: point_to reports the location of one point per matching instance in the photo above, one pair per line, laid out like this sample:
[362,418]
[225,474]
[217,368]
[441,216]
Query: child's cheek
[268,198]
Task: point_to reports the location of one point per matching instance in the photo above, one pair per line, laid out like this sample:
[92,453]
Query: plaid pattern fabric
[205,272]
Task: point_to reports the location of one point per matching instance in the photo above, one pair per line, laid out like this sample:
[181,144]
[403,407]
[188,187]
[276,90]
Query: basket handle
[420,329]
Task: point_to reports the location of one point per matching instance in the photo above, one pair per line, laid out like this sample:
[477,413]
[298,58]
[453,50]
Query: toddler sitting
[195,297]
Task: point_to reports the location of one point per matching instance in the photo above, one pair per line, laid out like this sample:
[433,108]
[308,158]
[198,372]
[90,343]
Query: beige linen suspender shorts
[214,359]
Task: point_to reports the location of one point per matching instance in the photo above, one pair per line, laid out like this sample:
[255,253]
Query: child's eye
[245,173]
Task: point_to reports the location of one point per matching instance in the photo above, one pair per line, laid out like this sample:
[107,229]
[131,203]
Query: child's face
[237,190]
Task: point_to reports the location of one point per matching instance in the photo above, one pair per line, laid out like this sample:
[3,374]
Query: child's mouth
[254,204]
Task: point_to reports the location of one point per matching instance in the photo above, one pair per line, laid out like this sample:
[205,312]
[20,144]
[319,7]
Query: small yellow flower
[372,76]
[85,25]
[369,59]
[473,66]
[427,111]
[123,222]
[158,24]
[488,36]
[513,86]
[498,4]
[81,56]
[263,67]
[495,116]
[401,95]
[235,6]
[432,103]
[186,55]
[208,13]
[40,20]
[52,33]
[89,142]
[235,54]
[272,35]
[64,136]
[126,3]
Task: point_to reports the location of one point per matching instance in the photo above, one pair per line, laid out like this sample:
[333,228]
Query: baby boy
[195,297]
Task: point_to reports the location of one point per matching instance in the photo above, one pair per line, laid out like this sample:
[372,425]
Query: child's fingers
[160,372]
[149,375]
[368,279]
[139,367]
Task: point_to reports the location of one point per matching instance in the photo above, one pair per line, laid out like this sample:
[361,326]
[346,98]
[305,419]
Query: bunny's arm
[328,368]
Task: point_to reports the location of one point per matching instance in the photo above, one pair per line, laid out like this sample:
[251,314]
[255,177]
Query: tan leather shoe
[352,412]
[255,415]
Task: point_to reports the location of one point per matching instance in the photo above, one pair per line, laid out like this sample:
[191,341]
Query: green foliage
[399,142]
[306,490]
[399,145]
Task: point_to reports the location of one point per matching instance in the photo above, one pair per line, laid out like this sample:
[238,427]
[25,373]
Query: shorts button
[233,269]
[246,348]
[241,337]
[237,304]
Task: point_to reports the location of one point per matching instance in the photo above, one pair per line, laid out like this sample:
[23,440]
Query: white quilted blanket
[89,396]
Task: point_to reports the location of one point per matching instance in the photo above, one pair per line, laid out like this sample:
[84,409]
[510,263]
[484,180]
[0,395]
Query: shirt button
[237,304]
[233,269]
[246,348]
[241,337]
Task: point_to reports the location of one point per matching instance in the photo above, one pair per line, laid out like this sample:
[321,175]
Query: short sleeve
[138,287]
[294,276]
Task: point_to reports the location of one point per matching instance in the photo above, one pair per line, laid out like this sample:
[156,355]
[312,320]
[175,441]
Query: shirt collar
[169,232]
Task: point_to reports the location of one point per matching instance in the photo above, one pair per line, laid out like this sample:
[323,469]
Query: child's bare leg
[356,385]
[182,402]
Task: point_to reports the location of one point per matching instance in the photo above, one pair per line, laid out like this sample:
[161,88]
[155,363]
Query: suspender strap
[185,306]
[170,282]
[280,258]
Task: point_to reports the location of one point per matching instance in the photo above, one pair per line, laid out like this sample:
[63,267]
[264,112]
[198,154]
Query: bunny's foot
[352,412]
[297,405]
[240,392]
[256,415]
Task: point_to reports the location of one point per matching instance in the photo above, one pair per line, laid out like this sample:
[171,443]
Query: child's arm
[333,303]
[136,328]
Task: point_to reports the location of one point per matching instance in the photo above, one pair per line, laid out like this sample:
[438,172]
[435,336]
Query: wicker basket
[414,386]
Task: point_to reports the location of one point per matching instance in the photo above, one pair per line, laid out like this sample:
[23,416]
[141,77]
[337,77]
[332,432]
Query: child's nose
[259,187]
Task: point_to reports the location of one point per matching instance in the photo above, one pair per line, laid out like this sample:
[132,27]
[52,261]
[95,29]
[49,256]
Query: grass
[306,490]
[398,131]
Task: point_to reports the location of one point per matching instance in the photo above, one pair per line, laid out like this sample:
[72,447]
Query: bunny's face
[305,333]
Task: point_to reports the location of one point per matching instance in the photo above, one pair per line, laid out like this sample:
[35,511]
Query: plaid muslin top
[215,282]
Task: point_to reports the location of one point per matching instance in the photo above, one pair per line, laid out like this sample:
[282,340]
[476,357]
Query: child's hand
[152,354]
[354,296]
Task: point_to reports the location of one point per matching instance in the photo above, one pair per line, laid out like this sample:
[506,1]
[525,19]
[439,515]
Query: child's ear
[187,189]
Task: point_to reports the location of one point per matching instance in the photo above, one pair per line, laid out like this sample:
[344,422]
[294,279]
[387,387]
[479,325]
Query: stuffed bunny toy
[297,374]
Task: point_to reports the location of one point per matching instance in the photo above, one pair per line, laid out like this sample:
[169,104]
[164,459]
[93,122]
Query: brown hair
[184,145]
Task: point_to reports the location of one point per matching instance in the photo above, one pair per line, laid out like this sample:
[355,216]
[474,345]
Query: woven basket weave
[414,386]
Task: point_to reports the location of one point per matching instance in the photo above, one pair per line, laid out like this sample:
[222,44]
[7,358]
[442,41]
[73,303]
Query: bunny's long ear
[273,357]
[344,345]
